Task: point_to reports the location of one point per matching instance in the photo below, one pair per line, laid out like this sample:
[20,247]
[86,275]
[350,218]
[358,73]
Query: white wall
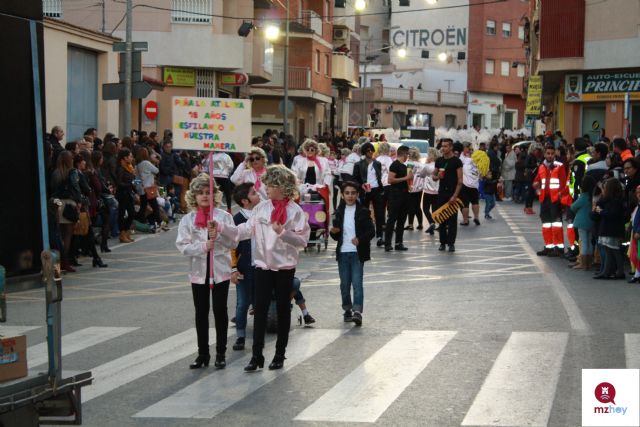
[485,104]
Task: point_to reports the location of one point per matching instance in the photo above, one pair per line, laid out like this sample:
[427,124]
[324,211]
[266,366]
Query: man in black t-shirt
[399,176]
[448,170]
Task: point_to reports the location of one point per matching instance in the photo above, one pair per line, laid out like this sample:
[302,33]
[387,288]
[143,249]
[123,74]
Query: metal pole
[127,70]
[285,125]
[104,24]
[364,85]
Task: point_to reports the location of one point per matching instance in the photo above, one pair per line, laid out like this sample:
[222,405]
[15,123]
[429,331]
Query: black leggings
[266,283]
[613,262]
[125,200]
[414,208]
[428,204]
[219,295]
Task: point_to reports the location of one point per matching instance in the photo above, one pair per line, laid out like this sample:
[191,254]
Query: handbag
[82,226]
[179,180]
[70,212]
[151,192]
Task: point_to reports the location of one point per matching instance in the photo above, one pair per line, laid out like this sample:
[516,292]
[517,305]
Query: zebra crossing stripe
[216,392]
[10,331]
[133,366]
[520,388]
[76,341]
[632,350]
[366,393]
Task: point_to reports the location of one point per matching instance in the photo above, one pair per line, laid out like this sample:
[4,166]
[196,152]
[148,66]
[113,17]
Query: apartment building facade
[497,63]
[587,54]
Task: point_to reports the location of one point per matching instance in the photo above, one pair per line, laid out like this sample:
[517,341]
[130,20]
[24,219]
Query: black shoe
[409,228]
[255,363]
[74,262]
[601,276]
[97,262]
[634,280]
[233,319]
[308,319]
[543,252]
[380,243]
[442,247]
[464,223]
[401,247]
[220,362]
[476,221]
[488,216]
[104,248]
[277,362]
[357,318]
[431,229]
[452,248]
[239,344]
[419,227]
[619,277]
[553,253]
[348,316]
[201,360]
[388,248]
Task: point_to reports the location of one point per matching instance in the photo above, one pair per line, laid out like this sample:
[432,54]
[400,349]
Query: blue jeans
[244,298]
[351,272]
[586,246]
[489,203]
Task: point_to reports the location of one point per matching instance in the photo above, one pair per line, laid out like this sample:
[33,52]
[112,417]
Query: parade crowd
[291,195]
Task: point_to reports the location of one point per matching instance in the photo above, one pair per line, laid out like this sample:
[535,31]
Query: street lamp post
[285,125]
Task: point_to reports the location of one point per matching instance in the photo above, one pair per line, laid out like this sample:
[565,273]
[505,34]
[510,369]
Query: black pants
[376,197]
[268,282]
[531,195]
[429,204]
[613,262]
[226,186]
[125,200]
[142,213]
[414,208]
[448,230]
[396,215]
[219,295]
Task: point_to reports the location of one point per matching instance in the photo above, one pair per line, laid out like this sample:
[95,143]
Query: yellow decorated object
[445,211]
[481,161]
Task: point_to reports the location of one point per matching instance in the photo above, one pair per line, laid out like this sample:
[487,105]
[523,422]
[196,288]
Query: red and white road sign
[151,110]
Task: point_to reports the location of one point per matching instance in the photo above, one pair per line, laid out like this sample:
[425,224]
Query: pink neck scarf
[202,216]
[315,160]
[259,173]
[279,213]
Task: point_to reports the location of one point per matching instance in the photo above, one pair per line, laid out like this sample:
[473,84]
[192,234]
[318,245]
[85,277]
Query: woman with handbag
[146,172]
[125,175]
[83,230]
[65,185]
[105,198]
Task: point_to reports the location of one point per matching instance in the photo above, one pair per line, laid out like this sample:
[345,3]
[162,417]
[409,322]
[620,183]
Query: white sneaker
[507,199]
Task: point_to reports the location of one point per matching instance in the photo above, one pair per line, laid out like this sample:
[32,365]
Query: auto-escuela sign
[601,86]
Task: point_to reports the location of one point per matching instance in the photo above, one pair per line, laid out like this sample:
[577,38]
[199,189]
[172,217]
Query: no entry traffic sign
[151,110]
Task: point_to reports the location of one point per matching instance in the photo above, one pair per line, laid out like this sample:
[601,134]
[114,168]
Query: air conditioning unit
[340,34]
[501,108]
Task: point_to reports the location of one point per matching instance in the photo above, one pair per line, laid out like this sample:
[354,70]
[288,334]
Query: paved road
[490,335]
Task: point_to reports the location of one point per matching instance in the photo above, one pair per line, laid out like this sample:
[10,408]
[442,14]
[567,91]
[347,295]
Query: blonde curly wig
[414,154]
[310,143]
[383,148]
[323,149]
[197,186]
[258,151]
[283,178]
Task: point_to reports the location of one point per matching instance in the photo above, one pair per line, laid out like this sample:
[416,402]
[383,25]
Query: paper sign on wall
[220,124]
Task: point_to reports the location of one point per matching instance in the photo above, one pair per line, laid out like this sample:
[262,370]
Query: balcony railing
[342,67]
[398,94]
[311,20]
[299,78]
[191,11]
[52,8]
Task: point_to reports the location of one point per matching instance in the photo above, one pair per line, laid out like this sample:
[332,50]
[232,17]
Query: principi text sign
[211,124]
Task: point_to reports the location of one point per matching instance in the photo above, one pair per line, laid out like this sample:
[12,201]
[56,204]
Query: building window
[504,68]
[191,11]
[326,64]
[495,121]
[521,32]
[520,70]
[488,66]
[506,29]
[316,62]
[206,83]
[491,28]
[52,8]
[449,121]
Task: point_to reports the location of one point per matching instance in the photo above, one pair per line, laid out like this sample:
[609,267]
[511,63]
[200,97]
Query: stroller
[315,206]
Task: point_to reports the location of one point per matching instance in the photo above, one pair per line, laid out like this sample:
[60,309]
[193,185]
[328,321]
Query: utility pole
[286,74]
[104,24]
[364,85]
[128,70]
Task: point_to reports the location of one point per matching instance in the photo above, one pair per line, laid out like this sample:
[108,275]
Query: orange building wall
[614,121]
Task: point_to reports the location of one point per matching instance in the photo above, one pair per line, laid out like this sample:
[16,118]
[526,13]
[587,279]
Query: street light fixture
[272,32]
[360,5]
[432,2]
[442,56]
[402,53]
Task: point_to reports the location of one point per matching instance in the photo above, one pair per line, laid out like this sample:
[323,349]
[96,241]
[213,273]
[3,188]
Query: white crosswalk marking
[520,388]
[10,331]
[201,400]
[367,392]
[75,341]
[632,350]
[142,362]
